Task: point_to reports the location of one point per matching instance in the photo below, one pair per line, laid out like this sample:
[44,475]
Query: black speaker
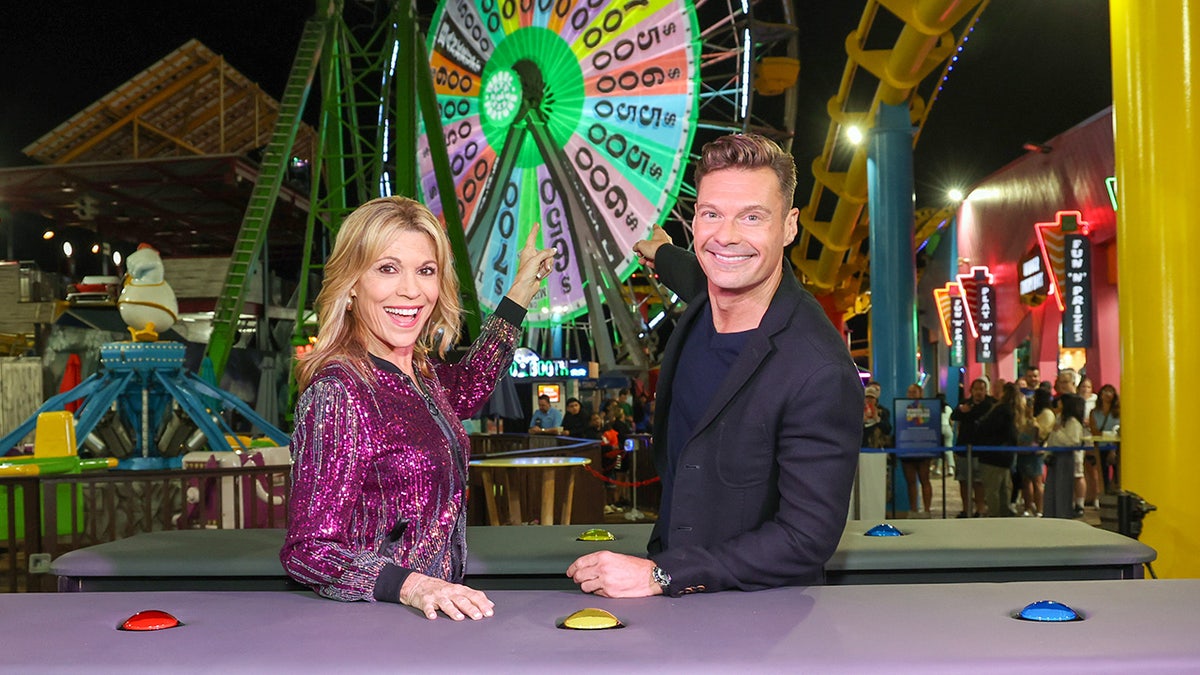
[1123,512]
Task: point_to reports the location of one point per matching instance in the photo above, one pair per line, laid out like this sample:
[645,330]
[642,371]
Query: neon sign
[1077,317]
[1033,275]
[980,296]
[1052,240]
[953,317]
[528,365]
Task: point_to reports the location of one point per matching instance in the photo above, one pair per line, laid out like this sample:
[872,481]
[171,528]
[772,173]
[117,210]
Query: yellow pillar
[1156,68]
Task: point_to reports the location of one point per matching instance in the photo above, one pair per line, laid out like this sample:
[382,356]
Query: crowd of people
[625,414]
[1022,425]
[1036,421]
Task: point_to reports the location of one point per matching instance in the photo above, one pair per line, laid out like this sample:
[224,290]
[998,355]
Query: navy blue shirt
[704,362]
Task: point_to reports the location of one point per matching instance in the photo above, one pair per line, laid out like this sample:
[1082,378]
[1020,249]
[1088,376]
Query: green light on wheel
[501,96]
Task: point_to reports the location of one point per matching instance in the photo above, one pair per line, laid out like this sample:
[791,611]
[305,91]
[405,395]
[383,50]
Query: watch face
[661,577]
[576,115]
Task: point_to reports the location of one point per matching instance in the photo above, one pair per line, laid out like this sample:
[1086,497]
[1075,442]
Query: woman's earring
[349,303]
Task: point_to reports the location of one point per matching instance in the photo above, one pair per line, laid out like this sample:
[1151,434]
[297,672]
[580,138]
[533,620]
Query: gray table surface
[490,551]
[931,550]
[986,542]
[1130,627]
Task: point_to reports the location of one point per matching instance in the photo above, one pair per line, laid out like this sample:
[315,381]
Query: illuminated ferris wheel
[583,115]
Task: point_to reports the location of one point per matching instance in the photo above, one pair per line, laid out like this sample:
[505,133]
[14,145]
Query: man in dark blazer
[759,406]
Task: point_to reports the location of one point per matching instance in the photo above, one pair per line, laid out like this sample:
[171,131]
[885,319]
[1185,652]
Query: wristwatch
[660,577]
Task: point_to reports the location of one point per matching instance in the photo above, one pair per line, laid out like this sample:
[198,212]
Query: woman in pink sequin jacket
[379,455]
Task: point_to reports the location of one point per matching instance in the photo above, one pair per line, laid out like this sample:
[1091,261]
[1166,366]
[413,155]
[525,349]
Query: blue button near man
[759,419]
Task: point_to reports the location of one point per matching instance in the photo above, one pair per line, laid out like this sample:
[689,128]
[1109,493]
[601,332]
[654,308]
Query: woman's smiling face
[397,294]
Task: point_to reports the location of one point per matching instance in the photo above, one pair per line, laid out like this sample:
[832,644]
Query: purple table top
[1131,626]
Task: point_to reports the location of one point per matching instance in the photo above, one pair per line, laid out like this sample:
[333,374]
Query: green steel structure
[367,119]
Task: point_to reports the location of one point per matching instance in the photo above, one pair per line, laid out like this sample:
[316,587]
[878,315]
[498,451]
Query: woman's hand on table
[429,594]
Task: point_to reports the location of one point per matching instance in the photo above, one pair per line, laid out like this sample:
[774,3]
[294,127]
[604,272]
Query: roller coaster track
[832,256]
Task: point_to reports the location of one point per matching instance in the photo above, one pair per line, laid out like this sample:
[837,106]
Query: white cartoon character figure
[147,303]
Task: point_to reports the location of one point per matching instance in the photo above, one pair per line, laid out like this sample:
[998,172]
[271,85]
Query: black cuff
[387,585]
[510,311]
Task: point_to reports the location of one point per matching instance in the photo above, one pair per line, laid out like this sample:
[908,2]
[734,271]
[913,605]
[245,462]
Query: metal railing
[47,516]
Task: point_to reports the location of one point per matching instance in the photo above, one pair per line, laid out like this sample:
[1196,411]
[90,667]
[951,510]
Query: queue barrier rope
[922,453]
[621,483]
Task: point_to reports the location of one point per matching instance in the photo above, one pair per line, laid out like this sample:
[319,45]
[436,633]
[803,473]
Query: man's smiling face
[741,226]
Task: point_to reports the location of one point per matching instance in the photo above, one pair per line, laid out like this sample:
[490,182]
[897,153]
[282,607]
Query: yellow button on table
[507,469]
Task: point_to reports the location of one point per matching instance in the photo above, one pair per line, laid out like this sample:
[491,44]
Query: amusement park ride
[142,409]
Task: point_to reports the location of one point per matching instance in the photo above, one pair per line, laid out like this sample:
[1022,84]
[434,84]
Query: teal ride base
[141,395]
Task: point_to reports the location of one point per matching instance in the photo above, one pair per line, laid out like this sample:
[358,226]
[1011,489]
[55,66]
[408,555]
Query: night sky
[1032,69]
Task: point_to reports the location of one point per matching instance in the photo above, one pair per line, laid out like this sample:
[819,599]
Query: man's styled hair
[749,151]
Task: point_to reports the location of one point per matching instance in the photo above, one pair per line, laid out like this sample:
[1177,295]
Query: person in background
[877,421]
[595,427]
[1066,383]
[620,424]
[1026,387]
[546,419]
[1043,413]
[916,469]
[1031,465]
[1105,422]
[1033,378]
[1091,456]
[625,400]
[639,409]
[1017,482]
[1068,433]
[946,467]
[575,421]
[1086,391]
[379,473]
[759,421]
[998,427]
[967,415]
[646,424]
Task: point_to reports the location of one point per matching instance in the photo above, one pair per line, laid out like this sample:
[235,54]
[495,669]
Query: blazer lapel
[758,347]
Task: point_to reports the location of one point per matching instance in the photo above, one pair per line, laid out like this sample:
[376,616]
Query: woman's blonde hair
[361,240]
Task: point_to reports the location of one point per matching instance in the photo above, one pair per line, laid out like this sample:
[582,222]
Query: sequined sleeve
[330,448]
[471,381]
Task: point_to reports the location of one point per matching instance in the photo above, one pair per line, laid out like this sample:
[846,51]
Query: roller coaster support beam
[893,272]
